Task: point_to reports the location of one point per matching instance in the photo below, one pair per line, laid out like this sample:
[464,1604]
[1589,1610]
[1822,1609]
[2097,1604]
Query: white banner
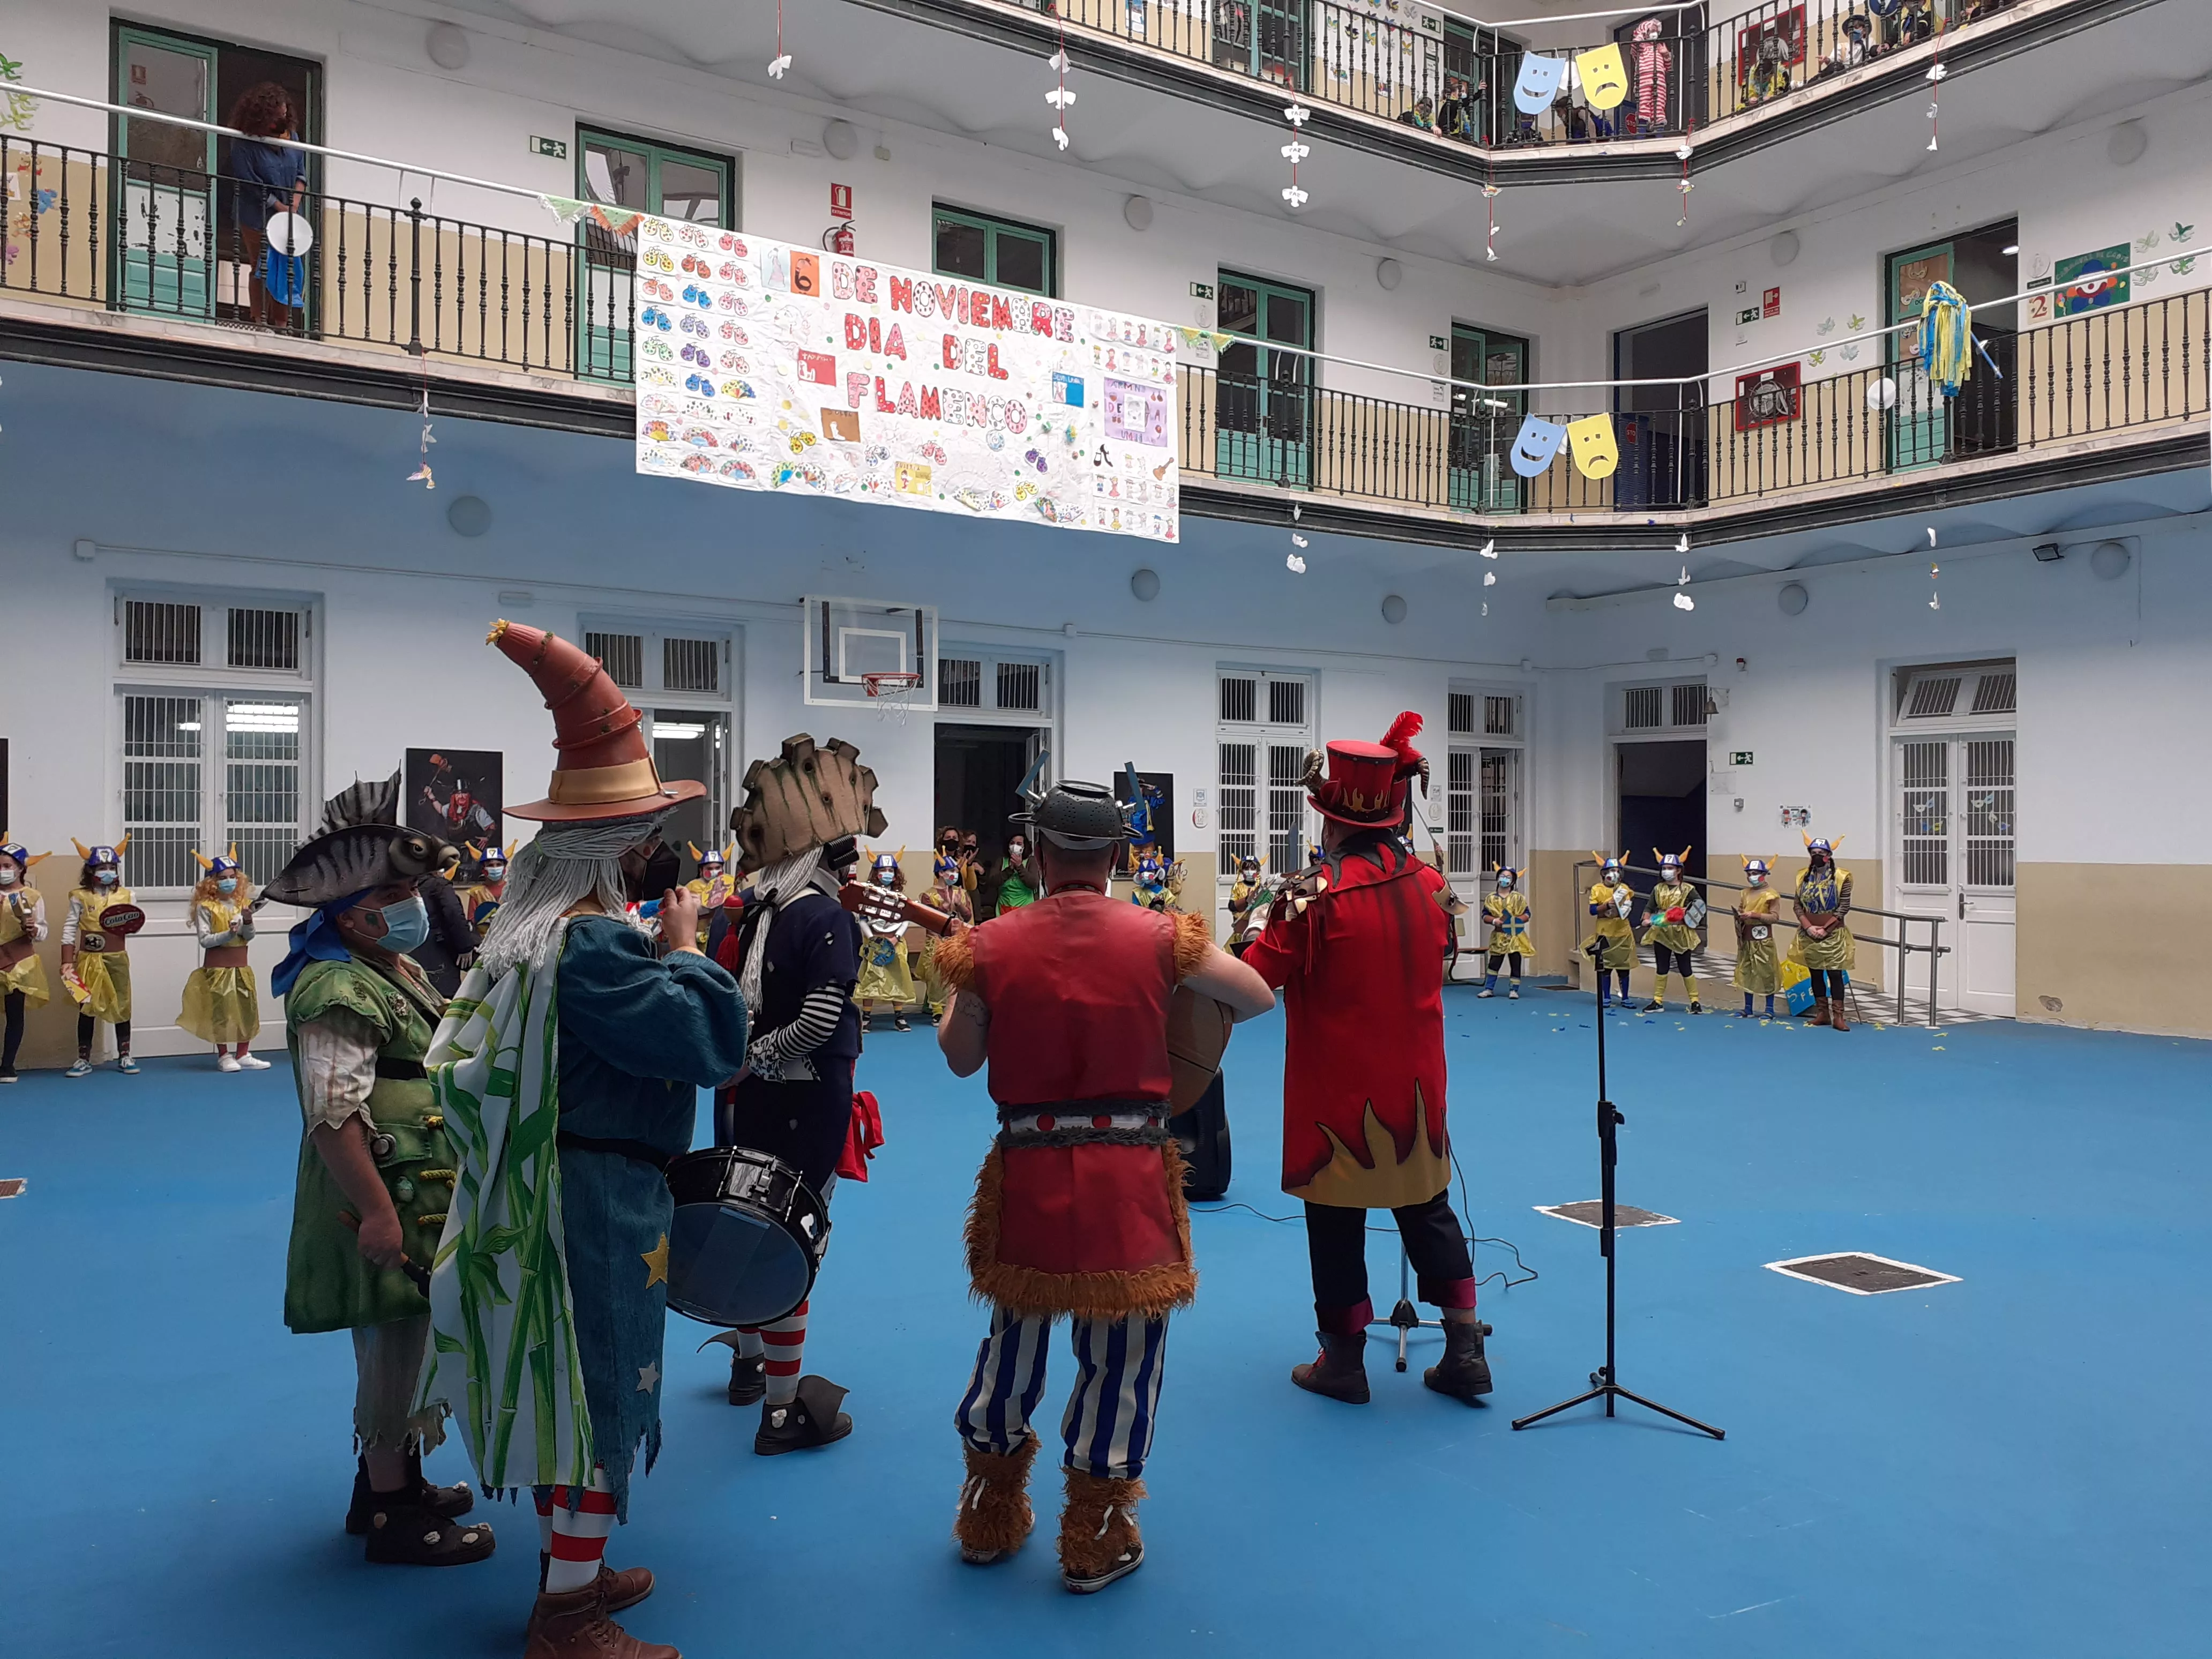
[763,366]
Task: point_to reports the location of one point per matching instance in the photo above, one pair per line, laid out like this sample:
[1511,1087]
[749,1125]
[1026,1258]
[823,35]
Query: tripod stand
[1603,1385]
[1403,1318]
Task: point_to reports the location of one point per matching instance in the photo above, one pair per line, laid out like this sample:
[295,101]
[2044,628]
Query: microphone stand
[1602,1383]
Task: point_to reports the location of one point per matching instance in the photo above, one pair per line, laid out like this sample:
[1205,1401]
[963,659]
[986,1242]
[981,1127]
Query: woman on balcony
[263,180]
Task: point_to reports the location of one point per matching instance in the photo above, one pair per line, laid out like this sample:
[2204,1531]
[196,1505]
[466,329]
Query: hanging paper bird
[1944,345]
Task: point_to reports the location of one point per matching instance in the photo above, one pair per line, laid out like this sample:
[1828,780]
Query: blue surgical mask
[227,885]
[406,924]
[104,878]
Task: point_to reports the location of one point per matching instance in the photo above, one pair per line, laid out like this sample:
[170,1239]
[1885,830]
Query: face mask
[227,885]
[886,878]
[103,878]
[1506,884]
[406,924]
[6,872]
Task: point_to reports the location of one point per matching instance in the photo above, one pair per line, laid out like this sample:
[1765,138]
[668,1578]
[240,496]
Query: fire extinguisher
[838,239]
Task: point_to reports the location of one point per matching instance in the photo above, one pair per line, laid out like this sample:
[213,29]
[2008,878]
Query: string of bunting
[1295,152]
[1059,97]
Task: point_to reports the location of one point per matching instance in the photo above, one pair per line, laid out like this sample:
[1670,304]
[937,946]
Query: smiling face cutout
[1535,444]
[1596,454]
[1604,76]
[1538,83]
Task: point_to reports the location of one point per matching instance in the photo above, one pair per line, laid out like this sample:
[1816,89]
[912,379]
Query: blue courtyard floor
[2012,1465]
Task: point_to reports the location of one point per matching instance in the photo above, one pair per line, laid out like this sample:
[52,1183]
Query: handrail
[1935,950]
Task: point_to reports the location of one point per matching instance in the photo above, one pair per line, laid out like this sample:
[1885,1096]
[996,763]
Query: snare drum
[747,1238]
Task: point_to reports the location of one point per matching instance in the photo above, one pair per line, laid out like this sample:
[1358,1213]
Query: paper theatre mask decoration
[1604,76]
[1596,453]
[1538,83]
[1535,444]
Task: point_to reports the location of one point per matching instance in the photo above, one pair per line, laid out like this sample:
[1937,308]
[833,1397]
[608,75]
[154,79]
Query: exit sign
[1438,342]
[1201,290]
[1748,315]
[1738,757]
[556,148]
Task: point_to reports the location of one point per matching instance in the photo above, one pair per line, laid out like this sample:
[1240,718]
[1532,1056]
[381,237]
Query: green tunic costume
[328,1284]
[1826,892]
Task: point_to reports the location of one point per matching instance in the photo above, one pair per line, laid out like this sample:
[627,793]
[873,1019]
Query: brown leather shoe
[1836,1016]
[1340,1371]
[575,1625]
[625,1587]
[995,1517]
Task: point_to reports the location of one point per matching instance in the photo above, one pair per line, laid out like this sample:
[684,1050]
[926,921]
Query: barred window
[622,655]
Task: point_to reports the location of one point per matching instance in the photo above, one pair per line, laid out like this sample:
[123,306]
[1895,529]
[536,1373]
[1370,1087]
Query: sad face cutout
[1596,451]
[1604,76]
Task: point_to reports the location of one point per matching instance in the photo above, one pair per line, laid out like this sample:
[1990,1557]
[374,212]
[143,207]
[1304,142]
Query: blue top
[812,941]
[274,168]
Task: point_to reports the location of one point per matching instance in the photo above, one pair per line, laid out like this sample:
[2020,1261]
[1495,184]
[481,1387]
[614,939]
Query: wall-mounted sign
[1738,757]
[1201,290]
[840,201]
[1770,303]
[2084,282]
[1748,315]
[1796,817]
[1438,343]
[556,148]
[765,366]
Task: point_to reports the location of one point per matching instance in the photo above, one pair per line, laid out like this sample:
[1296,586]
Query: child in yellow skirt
[222,1005]
[1507,912]
[23,929]
[1758,968]
[1610,903]
[885,976]
[95,962]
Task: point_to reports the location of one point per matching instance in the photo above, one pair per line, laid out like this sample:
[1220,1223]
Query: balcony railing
[1411,63]
[2111,370]
[84,228]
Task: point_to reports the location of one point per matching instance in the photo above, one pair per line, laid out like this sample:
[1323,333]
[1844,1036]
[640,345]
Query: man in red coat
[1358,947]
[1079,1211]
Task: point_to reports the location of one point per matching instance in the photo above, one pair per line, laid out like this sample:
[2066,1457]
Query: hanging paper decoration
[1490,188]
[19,106]
[1489,579]
[781,61]
[1294,565]
[1935,595]
[1534,445]
[1684,602]
[1881,395]
[1538,83]
[1596,451]
[1604,76]
[1685,183]
[421,474]
[1488,549]
[1295,152]
[568,210]
[1944,330]
[1682,544]
[1059,97]
[1935,73]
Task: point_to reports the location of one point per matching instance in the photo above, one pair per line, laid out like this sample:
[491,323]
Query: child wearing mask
[222,1006]
[23,930]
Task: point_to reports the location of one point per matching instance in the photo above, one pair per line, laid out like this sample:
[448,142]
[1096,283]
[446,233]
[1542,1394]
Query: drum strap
[635,1149]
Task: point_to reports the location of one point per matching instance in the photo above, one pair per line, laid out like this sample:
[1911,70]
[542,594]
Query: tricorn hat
[360,846]
[602,768]
[806,797]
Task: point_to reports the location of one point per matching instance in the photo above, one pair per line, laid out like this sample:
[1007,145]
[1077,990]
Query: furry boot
[1098,1538]
[995,1518]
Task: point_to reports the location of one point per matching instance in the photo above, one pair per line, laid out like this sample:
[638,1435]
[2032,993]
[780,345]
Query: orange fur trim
[995,1516]
[954,962]
[1194,941]
[1098,1521]
[1147,1293]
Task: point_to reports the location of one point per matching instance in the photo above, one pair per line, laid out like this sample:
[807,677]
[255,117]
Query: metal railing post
[1934,963]
[415,277]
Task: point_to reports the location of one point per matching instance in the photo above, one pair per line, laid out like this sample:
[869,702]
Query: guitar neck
[882,904]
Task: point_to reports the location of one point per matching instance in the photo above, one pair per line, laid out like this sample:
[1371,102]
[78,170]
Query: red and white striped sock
[544,1496]
[785,1345]
[580,1536]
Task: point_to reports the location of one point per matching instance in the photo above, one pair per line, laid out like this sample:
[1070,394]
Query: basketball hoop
[890,690]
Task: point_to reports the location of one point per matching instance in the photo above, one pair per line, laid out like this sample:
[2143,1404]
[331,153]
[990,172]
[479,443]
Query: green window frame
[635,174]
[1001,252]
[1483,427]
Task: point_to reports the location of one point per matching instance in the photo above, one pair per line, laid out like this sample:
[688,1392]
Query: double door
[1484,423]
[1956,827]
[1263,408]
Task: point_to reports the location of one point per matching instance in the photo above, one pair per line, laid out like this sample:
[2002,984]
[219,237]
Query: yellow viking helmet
[223,864]
[98,855]
[1822,844]
[1609,860]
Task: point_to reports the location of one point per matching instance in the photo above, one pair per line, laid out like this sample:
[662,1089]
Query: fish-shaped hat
[360,845]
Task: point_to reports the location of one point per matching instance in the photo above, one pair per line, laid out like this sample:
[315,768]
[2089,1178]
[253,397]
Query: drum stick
[414,1271]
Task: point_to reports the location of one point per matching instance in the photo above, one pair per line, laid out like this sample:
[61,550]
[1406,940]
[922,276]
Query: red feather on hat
[1401,737]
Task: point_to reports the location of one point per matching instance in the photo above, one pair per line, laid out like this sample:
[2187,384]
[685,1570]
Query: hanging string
[1295,152]
[1686,184]
[782,58]
[1490,188]
[1059,97]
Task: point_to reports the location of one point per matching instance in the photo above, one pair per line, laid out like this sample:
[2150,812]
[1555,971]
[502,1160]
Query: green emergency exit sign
[1738,757]
[556,148]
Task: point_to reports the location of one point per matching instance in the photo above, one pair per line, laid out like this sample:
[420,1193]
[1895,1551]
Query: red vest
[1078,986]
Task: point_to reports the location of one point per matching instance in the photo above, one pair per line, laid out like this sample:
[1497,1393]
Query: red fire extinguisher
[838,239]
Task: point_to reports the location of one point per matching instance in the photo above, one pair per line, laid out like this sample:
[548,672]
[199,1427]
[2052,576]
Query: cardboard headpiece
[806,797]
[16,851]
[362,845]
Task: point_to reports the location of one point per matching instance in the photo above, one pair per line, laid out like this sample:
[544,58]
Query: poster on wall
[454,794]
[2081,284]
[1767,397]
[1156,822]
[1771,40]
[764,366]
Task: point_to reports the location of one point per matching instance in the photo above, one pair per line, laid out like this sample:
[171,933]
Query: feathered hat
[1365,784]
[602,768]
[360,845]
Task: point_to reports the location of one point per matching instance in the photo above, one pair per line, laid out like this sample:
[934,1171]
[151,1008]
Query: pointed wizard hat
[602,767]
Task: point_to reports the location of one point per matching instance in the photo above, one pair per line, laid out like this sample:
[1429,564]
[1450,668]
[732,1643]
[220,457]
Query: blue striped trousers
[1109,1423]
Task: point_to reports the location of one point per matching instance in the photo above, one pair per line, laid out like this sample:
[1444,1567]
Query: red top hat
[1366,782]
[602,768]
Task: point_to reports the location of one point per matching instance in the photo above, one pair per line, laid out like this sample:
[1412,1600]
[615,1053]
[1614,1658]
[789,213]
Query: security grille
[1499,717]
[1287,702]
[161,787]
[265,639]
[1021,686]
[1988,811]
[1239,768]
[1689,704]
[960,681]
[1933,697]
[1262,769]
[1499,766]
[1459,811]
[1996,692]
[691,664]
[1463,713]
[159,631]
[622,655]
[1239,698]
[261,784]
[1925,772]
[1643,709]
[1286,804]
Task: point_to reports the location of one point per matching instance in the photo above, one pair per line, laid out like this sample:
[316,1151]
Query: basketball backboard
[847,640]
